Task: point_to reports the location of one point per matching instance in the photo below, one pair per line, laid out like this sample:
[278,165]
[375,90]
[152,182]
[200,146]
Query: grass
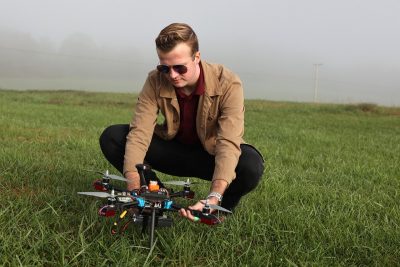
[329,195]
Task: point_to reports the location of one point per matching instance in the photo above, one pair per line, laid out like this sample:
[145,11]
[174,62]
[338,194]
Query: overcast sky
[272,45]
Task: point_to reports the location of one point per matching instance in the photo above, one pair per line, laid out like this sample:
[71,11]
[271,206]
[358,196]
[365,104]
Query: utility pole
[316,67]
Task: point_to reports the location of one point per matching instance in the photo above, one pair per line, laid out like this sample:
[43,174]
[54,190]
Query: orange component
[153,186]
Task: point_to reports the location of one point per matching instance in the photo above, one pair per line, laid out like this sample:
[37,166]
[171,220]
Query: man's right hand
[133,182]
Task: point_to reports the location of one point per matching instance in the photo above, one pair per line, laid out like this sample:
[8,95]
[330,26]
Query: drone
[149,203]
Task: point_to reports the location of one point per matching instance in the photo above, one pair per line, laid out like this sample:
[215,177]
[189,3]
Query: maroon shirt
[188,104]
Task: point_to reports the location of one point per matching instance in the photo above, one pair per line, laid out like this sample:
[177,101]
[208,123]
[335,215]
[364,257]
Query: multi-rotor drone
[148,203]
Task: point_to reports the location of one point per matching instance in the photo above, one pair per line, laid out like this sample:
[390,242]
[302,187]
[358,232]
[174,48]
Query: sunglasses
[181,69]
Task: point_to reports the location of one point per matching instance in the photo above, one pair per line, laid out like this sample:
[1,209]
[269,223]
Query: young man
[203,108]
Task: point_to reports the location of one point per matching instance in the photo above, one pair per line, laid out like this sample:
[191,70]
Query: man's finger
[182,212]
[187,214]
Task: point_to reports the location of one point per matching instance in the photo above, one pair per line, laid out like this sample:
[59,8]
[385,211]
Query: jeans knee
[105,136]
[114,134]
[253,176]
[250,172]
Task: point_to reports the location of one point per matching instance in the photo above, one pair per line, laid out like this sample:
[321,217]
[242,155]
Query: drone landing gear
[153,224]
[155,221]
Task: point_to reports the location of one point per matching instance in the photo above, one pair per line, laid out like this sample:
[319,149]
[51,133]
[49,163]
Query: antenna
[141,168]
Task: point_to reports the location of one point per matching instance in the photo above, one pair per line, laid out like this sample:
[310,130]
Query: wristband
[215,194]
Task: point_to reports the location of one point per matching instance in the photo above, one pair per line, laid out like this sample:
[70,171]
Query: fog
[108,45]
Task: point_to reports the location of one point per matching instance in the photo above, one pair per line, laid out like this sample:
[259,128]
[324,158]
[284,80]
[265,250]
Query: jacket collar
[211,74]
[166,88]
[212,87]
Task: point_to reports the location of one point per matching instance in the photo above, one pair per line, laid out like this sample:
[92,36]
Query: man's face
[181,54]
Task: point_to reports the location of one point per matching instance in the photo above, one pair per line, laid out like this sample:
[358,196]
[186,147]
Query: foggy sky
[272,45]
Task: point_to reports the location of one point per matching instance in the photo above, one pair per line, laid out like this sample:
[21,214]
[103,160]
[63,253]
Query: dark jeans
[177,159]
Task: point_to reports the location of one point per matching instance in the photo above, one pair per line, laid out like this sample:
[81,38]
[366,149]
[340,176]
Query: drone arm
[209,219]
[176,207]
[186,194]
[177,194]
[116,189]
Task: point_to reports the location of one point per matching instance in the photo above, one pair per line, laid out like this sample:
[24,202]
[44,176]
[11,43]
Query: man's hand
[218,186]
[133,182]
[198,206]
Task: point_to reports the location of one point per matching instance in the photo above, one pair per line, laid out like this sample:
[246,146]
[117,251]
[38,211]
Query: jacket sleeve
[230,132]
[141,127]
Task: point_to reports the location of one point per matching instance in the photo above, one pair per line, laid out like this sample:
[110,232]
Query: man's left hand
[198,206]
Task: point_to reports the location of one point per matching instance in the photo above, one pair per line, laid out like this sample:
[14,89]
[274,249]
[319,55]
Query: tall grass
[329,195]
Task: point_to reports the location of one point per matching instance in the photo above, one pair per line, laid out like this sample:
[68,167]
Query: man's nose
[172,73]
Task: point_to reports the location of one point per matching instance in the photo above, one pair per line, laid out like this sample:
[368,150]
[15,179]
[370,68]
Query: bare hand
[133,182]
[198,206]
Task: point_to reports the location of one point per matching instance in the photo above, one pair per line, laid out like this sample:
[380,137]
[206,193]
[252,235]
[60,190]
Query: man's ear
[197,57]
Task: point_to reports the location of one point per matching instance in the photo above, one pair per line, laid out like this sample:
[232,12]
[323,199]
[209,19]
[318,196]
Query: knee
[251,176]
[113,134]
[250,169]
[105,136]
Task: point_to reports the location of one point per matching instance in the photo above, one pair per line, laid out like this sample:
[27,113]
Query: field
[330,194]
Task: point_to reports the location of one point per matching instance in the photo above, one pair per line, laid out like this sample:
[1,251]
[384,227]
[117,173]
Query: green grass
[329,195]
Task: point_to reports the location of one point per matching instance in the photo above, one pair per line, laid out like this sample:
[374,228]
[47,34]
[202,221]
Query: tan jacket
[219,122]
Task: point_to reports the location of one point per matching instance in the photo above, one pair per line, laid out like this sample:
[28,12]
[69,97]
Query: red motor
[107,211]
[99,186]
[209,220]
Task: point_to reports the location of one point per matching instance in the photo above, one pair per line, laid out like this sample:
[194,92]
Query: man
[201,136]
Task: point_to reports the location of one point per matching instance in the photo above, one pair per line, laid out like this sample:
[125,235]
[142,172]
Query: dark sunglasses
[181,69]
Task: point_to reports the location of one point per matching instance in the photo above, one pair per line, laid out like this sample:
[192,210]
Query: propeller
[97,194]
[181,183]
[116,177]
[110,176]
[215,207]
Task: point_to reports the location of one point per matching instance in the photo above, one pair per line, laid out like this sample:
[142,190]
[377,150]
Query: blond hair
[174,34]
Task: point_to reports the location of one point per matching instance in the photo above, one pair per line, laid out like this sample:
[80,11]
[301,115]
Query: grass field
[330,194]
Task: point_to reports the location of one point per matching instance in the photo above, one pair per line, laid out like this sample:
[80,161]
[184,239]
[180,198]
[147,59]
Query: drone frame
[151,204]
